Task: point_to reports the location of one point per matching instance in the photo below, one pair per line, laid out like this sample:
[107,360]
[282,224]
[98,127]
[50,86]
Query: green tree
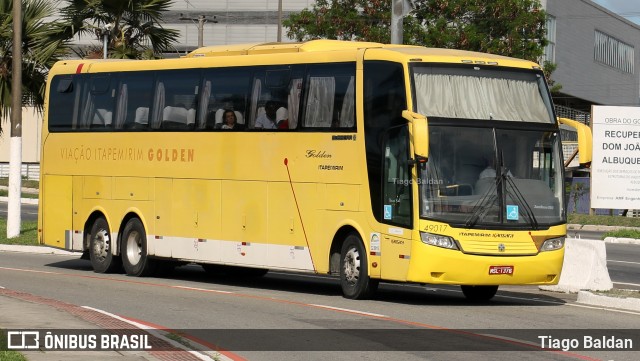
[39,52]
[129,24]
[363,20]
[505,27]
[548,68]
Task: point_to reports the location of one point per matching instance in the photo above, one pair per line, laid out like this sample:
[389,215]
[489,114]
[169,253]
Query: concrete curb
[22,200]
[622,240]
[597,228]
[35,249]
[626,303]
[23,189]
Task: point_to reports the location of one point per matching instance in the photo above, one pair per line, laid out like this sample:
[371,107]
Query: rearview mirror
[419,133]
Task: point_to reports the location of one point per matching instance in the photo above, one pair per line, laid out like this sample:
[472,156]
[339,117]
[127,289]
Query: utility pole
[399,9]
[279,20]
[201,20]
[396,21]
[106,30]
[15,160]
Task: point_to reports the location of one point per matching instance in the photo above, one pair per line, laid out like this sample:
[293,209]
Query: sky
[629,9]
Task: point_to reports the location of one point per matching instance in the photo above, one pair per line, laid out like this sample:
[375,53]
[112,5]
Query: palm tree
[133,27]
[39,52]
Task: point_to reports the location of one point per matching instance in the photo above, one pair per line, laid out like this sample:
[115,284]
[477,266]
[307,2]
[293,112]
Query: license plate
[501,270]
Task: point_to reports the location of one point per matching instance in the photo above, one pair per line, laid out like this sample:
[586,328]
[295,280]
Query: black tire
[354,271]
[100,248]
[479,293]
[133,249]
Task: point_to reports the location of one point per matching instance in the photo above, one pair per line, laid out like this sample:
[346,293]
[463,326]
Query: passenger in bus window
[229,120]
[267,120]
[282,118]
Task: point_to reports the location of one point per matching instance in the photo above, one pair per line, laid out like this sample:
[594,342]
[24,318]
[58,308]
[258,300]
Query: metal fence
[30,171]
[579,115]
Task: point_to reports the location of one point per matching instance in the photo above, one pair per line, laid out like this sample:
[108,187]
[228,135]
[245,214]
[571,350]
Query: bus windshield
[481,93]
[492,177]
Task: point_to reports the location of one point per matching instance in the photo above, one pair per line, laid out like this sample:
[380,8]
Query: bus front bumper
[435,265]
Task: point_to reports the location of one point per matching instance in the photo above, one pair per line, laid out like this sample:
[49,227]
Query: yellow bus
[366,161]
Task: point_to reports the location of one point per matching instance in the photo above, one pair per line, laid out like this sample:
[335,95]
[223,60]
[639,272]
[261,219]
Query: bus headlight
[438,240]
[552,244]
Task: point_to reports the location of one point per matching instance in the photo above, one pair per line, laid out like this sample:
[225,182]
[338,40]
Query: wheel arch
[93,216]
[336,246]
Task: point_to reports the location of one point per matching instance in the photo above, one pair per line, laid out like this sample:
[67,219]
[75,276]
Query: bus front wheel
[100,248]
[135,260]
[479,293]
[354,274]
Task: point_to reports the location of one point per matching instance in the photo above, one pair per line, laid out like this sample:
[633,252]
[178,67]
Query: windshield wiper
[484,204]
[520,200]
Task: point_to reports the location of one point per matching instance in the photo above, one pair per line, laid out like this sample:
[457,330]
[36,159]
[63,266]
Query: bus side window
[329,97]
[99,102]
[63,108]
[230,89]
[293,102]
[178,108]
[138,100]
[347,115]
[320,102]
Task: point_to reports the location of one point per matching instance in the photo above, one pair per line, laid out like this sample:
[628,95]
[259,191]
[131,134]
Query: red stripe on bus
[79,68]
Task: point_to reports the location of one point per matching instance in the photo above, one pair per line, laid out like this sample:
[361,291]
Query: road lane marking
[349,311]
[628,262]
[201,289]
[627,284]
[30,270]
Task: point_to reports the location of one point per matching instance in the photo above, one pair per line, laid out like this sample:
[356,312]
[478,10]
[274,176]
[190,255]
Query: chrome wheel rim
[101,245]
[352,266]
[134,248]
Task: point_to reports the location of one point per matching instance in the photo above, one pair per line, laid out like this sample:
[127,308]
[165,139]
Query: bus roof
[418,53]
[274,48]
[347,49]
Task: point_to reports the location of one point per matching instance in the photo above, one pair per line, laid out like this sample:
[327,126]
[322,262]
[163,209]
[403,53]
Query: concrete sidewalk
[22,311]
[19,314]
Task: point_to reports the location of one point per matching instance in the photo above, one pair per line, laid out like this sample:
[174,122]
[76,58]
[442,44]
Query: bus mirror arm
[419,129]
[585,140]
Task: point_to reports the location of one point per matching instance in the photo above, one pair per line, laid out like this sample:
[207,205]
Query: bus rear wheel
[100,248]
[479,293]
[135,259]
[354,274]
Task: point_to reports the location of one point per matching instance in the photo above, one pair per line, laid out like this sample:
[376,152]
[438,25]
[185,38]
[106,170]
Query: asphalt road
[29,212]
[307,312]
[623,263]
